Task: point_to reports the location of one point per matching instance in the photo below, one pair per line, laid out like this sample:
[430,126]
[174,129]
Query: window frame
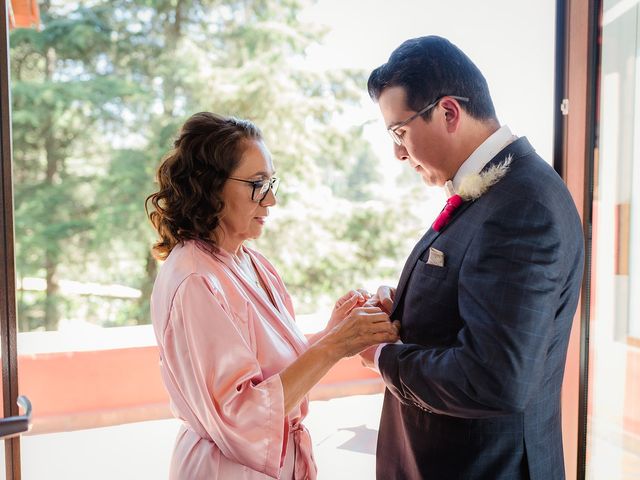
[8,315]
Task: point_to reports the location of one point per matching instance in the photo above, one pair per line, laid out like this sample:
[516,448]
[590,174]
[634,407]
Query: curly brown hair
[188,202]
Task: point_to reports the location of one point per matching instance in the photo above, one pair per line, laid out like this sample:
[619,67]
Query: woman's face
[242,217]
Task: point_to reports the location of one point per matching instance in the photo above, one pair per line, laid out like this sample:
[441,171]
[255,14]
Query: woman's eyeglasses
[260,187]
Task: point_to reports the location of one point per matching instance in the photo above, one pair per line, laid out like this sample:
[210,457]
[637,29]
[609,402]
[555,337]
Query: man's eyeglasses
[260,187]
[397,138]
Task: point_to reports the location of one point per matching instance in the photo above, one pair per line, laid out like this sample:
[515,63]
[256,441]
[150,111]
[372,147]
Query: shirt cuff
[376,356]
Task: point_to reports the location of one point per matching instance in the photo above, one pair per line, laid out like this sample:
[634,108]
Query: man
[487,297]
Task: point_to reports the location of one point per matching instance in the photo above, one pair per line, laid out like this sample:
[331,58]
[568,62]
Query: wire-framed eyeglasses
[260,188]
[397,138]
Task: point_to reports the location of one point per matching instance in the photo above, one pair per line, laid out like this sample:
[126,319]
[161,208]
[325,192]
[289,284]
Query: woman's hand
[363,327]
[344,305]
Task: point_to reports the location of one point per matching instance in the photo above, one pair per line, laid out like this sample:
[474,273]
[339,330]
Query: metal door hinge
[564,106]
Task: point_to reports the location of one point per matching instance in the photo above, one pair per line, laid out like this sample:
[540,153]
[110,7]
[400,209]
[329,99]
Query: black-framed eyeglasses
[260,188]
[397,138]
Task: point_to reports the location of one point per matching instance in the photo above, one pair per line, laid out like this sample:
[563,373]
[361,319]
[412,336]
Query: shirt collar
[480,157]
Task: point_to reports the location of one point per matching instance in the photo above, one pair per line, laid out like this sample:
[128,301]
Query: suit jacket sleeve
[509,290]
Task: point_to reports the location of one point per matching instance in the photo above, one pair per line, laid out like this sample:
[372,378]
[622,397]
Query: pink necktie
[447,212]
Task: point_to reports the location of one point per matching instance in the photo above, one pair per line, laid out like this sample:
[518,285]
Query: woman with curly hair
[235,365]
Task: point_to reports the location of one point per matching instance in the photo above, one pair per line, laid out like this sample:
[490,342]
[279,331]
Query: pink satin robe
[222,346]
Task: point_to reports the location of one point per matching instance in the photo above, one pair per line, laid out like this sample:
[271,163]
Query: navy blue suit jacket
[474,391]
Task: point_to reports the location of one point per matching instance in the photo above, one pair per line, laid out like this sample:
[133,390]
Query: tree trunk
[51,312]
[151,268]
[173,35]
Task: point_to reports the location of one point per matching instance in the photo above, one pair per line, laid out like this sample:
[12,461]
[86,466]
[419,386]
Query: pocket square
[436,257]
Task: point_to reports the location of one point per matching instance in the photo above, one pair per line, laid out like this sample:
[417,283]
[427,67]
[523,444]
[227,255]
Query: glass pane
[613,443]
[99,92]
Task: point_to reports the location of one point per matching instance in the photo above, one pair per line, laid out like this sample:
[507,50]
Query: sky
[511,41]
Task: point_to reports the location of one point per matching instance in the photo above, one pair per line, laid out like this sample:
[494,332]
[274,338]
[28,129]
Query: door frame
[8,316]
[575,138]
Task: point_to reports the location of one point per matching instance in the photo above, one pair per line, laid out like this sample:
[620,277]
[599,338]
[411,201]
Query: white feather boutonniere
[475,185]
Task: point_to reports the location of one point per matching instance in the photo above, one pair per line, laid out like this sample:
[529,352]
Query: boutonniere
[475,185]
[471,188]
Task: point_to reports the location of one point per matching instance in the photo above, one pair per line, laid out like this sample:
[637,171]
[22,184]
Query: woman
[236,366]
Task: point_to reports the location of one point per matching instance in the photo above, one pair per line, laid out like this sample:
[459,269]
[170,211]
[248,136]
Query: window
[613,422]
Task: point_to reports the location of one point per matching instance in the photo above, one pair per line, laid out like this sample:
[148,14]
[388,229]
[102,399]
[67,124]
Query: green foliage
[98,96]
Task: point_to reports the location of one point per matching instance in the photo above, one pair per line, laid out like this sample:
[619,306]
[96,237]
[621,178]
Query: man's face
[424,143]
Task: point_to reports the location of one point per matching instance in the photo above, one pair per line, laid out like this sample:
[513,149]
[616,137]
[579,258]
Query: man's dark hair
[429,68]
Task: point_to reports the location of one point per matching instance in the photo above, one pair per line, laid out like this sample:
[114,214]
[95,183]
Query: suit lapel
[421,246]
[424,243]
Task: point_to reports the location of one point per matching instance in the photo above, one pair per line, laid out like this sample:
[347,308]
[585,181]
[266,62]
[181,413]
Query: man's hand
[383,298]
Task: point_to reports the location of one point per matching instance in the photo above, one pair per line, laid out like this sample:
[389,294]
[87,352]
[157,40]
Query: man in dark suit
[487,297]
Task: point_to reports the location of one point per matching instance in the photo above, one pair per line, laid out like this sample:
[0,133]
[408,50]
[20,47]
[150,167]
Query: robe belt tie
[305,466]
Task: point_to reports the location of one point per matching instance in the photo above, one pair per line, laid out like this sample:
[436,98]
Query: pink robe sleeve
[209,355]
